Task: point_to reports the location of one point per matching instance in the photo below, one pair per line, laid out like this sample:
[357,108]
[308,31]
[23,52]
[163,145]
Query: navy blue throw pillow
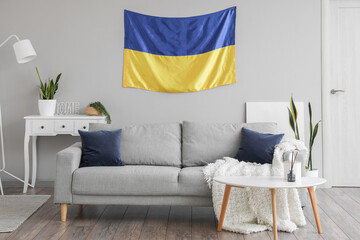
[100,148]
[257,147]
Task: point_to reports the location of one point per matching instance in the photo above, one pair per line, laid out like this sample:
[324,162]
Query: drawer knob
[42,127]
[84,127]
[63,126]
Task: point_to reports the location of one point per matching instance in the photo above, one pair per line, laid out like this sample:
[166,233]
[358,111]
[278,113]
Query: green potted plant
[293,114]
[47,103]
[97,109]
[310,172]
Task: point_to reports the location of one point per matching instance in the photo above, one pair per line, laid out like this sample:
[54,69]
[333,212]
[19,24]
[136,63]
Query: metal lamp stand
[2,169]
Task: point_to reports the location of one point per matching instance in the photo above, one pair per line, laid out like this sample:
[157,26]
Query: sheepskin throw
[249,209]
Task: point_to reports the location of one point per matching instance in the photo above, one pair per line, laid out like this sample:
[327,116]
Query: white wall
[278,52]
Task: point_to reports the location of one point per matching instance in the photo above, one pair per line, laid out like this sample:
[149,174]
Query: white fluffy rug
[15,209]
[249,209]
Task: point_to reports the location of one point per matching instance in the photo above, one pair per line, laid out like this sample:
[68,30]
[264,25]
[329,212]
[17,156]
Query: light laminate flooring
[339,210]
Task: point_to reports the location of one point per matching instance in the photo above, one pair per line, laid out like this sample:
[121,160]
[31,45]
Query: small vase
[296,170]
[291,176]
[47,107]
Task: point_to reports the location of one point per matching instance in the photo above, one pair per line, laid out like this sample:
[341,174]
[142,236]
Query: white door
[341,92]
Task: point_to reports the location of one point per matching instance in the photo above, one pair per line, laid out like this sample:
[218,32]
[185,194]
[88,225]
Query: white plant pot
[47,107]
[312,173]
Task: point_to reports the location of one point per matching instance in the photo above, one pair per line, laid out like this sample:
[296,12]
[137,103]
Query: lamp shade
[24,51]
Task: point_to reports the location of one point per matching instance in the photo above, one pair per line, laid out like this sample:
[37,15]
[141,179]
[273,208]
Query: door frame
[325,96]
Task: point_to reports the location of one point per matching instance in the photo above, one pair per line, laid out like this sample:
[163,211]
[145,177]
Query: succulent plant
[293,114]
[49,88]
[313,133]
[294,126]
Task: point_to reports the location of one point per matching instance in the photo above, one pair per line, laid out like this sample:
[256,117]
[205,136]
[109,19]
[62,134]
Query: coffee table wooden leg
[273,202]
[223,207]
[315,209]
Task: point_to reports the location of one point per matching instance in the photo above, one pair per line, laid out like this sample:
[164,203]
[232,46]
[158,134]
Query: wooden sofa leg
[80,209]
[63,211]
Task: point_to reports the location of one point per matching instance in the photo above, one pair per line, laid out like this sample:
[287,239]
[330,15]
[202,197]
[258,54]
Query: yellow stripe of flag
[177,73]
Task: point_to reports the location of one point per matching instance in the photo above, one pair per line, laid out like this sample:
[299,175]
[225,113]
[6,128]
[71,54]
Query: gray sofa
[164,164]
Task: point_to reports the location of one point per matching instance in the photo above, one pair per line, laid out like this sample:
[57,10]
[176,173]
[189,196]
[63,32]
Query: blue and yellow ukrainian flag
[179,54]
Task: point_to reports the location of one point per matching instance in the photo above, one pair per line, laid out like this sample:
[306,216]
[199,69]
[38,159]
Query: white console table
[51,126]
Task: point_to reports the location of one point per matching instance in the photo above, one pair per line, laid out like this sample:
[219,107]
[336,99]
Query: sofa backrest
[204,143]
[150,144]
[197,144]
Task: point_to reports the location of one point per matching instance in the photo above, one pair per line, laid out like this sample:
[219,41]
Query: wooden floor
[339,210]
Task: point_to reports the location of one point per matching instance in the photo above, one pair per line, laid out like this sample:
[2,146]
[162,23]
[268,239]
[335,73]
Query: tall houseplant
[313,132]
[293,114]
[47,103]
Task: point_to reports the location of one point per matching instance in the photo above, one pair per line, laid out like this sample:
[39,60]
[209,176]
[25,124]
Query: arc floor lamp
[24,53]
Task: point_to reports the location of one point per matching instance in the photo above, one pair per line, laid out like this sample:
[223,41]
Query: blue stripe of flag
[179,36]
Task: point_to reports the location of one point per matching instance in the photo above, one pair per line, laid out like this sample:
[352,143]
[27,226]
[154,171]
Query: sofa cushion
[126,180]
[151,144]
[204,143]
[192,182]
[257,147]
[100,148]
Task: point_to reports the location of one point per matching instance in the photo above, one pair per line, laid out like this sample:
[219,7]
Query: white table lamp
[24,52]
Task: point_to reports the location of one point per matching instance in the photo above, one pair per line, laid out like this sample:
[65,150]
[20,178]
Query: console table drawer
[81,125]
[64,125]
[42,126]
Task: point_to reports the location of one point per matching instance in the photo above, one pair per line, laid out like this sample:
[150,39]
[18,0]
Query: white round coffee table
[271,183]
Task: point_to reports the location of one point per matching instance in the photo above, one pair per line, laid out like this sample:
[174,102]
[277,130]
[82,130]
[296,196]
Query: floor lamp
[24,52]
